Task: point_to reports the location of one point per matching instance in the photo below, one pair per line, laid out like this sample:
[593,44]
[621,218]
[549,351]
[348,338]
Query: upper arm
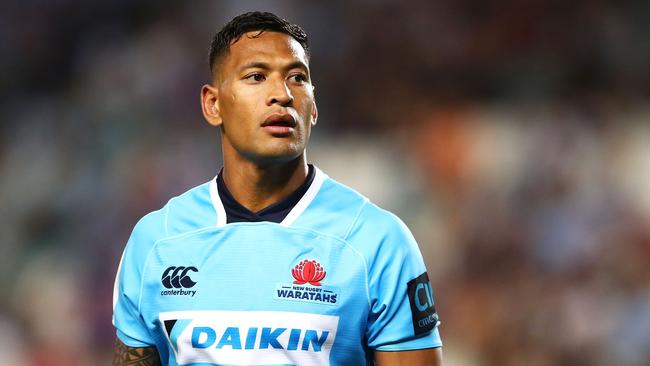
[402,315]
[124,355]
[127,318]
[424,357]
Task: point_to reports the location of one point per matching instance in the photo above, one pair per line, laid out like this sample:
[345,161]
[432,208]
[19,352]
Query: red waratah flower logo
[308,271]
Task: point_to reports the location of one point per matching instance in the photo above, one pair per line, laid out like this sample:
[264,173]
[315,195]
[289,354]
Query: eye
[256,77]
[298,78]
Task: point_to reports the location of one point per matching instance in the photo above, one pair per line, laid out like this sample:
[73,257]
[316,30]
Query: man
[272,262]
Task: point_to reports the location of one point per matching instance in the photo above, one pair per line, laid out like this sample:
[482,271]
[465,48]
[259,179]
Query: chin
[283,148]
[279,155]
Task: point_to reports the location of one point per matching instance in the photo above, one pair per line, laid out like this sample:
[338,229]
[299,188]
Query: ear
[314,114]
[210,105]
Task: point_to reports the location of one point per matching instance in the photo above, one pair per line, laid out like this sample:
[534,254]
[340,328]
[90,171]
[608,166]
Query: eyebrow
[266,66]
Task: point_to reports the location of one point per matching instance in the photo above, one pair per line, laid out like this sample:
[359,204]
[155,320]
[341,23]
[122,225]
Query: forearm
[425,357]
[124,355]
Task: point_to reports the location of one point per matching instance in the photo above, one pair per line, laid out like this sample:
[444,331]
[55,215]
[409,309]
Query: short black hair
[249,22]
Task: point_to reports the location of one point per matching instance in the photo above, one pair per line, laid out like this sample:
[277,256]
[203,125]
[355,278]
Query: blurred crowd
[512,137]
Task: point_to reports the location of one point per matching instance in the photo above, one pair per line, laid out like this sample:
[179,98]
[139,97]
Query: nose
[280,94]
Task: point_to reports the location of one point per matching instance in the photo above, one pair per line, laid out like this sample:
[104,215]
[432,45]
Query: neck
[257,186]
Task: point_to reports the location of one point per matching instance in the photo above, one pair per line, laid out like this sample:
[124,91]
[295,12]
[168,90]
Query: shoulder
[192,210]
[378,233]
[185,212]
[377,230]
[330,207]
[195,198]
[366,224]
[367,215]
[379,218]
[389,249]
[149,228]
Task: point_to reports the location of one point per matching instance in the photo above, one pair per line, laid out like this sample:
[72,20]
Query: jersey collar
[293,214]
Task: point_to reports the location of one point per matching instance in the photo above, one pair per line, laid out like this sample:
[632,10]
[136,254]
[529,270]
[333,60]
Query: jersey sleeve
[127,319]
[402,313]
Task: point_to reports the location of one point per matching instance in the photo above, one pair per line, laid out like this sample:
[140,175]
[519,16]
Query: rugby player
[271,262]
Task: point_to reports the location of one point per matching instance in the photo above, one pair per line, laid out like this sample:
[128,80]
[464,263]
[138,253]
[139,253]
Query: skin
[264,74]
[425,357]
[124,355]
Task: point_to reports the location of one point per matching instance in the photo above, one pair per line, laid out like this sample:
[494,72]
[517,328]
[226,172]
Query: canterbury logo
[178,277]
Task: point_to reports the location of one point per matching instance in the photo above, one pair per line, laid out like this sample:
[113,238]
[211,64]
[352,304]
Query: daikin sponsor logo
[250,337]
[308,275]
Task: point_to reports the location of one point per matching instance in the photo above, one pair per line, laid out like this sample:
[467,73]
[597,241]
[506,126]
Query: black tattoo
[124,355]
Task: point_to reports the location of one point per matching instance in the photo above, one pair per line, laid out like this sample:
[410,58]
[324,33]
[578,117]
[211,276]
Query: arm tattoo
[124,355]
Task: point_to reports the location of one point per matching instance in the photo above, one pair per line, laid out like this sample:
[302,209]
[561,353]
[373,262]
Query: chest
[247,293]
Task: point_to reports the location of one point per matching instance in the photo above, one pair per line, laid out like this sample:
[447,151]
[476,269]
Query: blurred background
[513,137]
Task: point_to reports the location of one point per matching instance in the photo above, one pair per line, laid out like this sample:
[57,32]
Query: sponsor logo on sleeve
[250,337]
[307,286]
[423,310]
[177,281]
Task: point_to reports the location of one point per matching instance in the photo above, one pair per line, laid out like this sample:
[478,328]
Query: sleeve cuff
[132,342]
[429,340]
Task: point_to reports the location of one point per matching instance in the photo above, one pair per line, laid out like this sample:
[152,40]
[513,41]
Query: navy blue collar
[276,212]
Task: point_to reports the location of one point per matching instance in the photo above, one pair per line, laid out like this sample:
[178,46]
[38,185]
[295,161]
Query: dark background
[513,137]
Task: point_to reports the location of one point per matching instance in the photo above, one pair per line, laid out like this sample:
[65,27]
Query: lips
[279,125]
[280,120]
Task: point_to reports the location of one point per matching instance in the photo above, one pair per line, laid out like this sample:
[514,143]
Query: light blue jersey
[337,279]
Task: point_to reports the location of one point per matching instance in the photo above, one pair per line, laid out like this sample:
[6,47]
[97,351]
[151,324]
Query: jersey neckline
[295,212]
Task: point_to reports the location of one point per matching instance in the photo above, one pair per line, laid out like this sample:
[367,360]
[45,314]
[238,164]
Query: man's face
[264,99]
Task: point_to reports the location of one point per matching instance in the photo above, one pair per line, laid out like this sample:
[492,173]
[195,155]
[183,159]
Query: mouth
[279,124]
[282,120]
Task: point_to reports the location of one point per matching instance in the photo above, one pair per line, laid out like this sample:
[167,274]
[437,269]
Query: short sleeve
[402,309]
[130,326]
